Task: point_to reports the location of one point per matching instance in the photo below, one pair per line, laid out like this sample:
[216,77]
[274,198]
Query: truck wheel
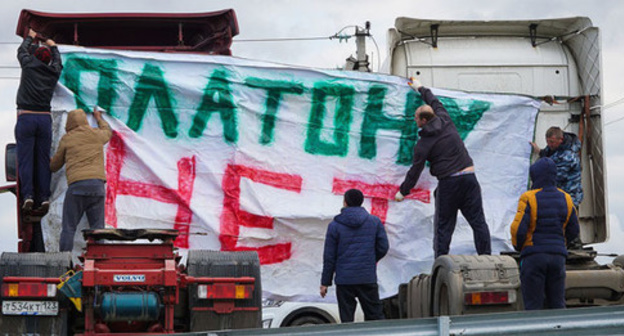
[442,305]
[205,263]
[48,265]
[443,300]
[414,298]
[619,261]
[306,320]
[447,288]
[425,296]
[403,300]
[419,301]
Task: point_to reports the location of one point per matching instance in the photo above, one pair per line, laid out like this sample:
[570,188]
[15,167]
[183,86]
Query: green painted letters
[374,119]
[465,119]
[107,69]
[342,120]
[275,89]
[217,98]
[152,84]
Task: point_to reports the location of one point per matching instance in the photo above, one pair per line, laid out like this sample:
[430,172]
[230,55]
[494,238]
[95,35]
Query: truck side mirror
[10,162]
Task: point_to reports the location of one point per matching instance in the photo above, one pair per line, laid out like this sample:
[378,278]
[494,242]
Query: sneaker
[28,204]
[45,206]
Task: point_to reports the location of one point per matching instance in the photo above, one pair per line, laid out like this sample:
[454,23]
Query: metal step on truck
[558,61]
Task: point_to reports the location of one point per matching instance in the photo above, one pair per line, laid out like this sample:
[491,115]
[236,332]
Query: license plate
[47,308]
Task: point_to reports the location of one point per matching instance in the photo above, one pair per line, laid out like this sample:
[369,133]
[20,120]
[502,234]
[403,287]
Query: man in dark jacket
[458,188]
[564,149]
[41,69]
[546,220]
[354,243]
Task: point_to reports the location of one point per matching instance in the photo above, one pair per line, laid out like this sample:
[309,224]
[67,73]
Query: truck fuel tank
[144,306]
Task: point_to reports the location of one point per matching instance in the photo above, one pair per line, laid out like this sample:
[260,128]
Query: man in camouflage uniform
[564,149]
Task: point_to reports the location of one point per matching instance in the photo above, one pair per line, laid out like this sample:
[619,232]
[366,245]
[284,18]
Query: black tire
[425,294]
[403,297]
[51,265]
[418,299]
[205,263]
[391,307]
[306,320]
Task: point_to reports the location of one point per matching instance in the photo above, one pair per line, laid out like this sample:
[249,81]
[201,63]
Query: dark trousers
[367,295]
[82,197]
[459,193]
[542,277]
[33,134]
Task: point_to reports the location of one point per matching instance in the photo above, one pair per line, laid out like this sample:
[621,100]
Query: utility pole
[360,63]
[360,42]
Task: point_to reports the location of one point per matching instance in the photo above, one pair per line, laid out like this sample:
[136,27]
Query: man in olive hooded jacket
[81,150]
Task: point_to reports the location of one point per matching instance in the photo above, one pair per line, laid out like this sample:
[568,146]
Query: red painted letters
[232,217]
[115,186]
[380,194]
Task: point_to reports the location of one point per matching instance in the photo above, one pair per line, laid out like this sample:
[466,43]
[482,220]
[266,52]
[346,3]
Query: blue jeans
[82,197]
[542,278]
[33,134]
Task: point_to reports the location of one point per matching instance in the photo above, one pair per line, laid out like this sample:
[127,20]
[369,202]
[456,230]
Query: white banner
[244,155]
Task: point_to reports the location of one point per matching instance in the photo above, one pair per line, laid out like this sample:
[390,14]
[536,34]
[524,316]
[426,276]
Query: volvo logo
[129,278]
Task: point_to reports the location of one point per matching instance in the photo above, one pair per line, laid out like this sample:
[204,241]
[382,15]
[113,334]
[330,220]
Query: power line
[617,102]
[337,35]
[610,105]
[281,39]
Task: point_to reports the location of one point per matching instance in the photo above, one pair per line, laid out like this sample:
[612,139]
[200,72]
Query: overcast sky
[260,19]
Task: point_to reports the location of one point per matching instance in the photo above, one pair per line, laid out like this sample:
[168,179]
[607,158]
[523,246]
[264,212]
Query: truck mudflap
[209,314]
[463,284]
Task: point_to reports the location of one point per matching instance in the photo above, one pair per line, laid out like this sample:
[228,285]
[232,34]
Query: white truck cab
[558,58]
[557,61]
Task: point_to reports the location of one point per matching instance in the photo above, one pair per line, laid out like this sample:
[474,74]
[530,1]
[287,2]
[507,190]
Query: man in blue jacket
[355,242]
[545,222]
[458,188]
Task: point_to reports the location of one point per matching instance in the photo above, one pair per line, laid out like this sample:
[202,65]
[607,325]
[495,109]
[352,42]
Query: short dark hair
[554,131]
[354,198]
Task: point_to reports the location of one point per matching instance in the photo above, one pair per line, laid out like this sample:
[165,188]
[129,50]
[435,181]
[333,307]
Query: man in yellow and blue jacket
[545,221]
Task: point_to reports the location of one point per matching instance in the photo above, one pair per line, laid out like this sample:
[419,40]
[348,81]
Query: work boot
[28,204]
